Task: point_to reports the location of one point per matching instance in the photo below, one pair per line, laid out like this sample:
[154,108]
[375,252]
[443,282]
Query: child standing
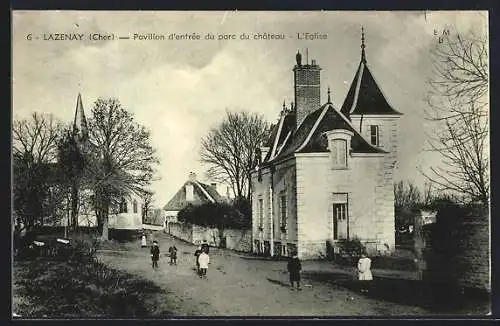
[144,242]
[155,254]
[197,255]
[364,272]
[173,255]
[294,267]
[203,261]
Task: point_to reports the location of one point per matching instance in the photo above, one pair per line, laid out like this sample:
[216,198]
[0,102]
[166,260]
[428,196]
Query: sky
[179,89]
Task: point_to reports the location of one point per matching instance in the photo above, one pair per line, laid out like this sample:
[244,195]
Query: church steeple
[363,54]
[80,128]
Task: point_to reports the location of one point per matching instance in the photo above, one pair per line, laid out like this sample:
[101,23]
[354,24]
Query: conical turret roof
[365,96]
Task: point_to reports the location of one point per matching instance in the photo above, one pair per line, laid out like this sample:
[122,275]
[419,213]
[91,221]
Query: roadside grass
[72,283]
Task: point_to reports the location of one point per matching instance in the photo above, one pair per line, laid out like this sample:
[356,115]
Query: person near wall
[364,272]
[294,267]
[155,254]
[173,255]
[144,242]
[196,256]
[203,261]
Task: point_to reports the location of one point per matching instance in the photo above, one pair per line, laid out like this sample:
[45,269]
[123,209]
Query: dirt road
[239,286]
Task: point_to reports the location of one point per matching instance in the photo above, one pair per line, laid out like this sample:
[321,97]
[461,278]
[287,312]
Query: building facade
[326,173]
[192,192]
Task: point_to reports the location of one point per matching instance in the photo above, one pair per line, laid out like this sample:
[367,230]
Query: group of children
[294,266]
[155,253]
[201,255]
[202,259]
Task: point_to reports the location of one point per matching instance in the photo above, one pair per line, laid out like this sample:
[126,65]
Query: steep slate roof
[365,96]
[331,120]
[203,193]
[309,136]
[282,130]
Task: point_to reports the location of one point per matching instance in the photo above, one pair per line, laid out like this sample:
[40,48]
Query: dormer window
[339,143]
[374,135]
[339,153]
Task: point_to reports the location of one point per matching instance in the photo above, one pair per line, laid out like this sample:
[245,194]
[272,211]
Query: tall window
[283,223]
[374,136]
[260,209]
[123,206]
[134,205]
[339,153]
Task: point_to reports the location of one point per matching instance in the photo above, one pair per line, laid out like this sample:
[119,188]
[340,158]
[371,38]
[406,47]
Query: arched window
[134,205]
[123,206]
[338,147]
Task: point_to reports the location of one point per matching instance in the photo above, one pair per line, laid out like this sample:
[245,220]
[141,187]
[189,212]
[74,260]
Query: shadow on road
[437,298]
[278,282]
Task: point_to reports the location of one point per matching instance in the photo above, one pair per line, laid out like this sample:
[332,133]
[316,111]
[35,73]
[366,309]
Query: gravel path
[248,287]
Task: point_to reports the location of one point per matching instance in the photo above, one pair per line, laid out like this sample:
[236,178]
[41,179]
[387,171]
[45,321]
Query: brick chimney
[192,176]
[214,185]
[307,88]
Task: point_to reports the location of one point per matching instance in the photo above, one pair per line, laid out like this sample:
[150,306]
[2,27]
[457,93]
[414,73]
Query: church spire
[363,55]
[80,122]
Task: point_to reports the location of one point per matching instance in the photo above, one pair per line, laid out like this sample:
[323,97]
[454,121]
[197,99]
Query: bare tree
[407,195]
[229,150]
[37,137]
[34,147]
[122,157]
[458,107]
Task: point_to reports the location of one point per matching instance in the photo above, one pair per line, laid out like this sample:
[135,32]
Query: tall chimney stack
[307,88]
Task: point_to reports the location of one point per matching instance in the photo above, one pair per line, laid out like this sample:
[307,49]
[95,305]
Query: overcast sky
[179,89]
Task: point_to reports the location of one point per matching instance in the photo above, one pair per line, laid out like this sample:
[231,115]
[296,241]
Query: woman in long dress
[364,272]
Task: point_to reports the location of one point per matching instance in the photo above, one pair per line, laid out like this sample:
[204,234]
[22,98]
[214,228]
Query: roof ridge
[278,134]
[358,86]
[284,142]
[315,126]
[199,184]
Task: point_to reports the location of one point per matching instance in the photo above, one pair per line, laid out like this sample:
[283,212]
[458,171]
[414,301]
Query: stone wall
[466,262]
[181,231]
[472,265]
[240,240]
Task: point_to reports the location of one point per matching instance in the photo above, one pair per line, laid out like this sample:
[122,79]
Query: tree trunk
[99,221]
[74,207]
[105,221]
[105,228]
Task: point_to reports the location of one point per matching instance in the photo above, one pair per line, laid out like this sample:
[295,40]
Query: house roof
[279,133]
[203,193]
[309,137]
[364,95]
